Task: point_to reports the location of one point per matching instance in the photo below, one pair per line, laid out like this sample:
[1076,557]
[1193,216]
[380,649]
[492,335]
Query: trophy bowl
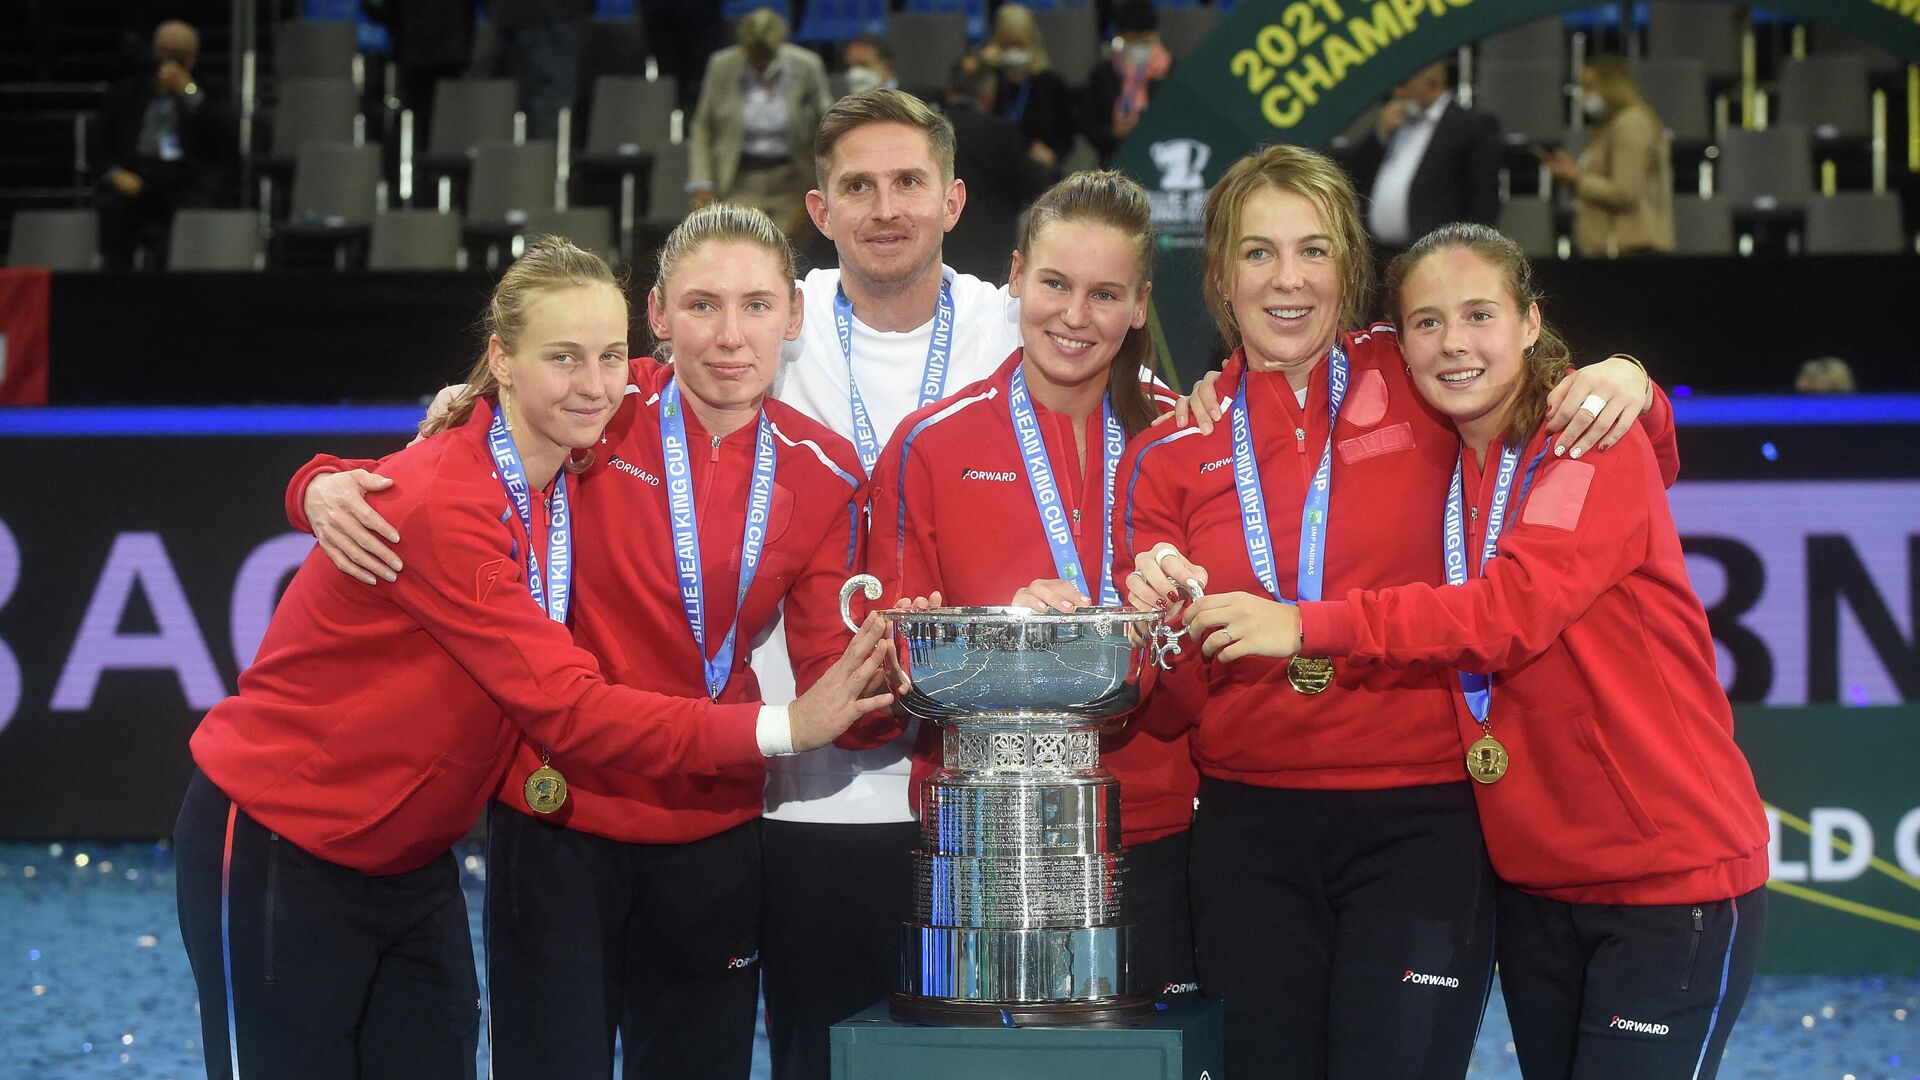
[1019,879]
[1009,662]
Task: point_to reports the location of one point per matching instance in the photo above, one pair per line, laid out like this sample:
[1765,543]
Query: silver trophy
[1019,881]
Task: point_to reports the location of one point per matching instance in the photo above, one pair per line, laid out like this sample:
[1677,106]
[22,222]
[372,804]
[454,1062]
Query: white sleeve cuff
[774,731]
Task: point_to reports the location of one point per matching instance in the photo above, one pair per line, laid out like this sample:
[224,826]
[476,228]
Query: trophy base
[926,1010]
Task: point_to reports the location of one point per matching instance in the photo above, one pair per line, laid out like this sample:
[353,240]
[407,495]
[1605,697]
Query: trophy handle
[866,583]
[1165,643]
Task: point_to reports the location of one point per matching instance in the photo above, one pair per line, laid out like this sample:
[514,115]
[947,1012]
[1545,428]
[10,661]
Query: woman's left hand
[1620,389]
[1563,166]
[1229,626]
[1051,594]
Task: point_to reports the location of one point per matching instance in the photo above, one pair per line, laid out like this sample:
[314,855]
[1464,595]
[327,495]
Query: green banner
[1843,801]
[1299,72]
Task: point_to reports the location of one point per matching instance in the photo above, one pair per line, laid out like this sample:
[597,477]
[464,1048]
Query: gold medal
[546,790]
[1486,759]
[1310,674]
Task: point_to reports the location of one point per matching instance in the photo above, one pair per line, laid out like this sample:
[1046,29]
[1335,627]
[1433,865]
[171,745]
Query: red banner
[23,335]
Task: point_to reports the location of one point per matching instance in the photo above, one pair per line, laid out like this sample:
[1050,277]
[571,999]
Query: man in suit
[1428,162]
[161,144]
[1001,174]
[752,136]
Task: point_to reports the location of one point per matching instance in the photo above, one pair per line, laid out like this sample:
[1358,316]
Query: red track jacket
[1376,727]
[369,730]
[1625,786]
[953,511]
[626,604]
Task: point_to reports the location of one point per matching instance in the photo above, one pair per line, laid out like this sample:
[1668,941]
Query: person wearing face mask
[1031,95]
[869,62]
[1623,184]
[1121,86]
[319,900]
[1047,430]
[760,102]
[1429,161]
[999,170]
[1620,816]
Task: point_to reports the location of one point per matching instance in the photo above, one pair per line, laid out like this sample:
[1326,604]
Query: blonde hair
[719,223]
[882,105]
[761,28]
[1114,200]
[549,263]
[1549,358]
[1614,81]
[1018,19]
[1315,178]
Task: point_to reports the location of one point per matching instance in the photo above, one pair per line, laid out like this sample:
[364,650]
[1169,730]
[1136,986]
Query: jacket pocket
[272,901]
[391,806]
[1698,931]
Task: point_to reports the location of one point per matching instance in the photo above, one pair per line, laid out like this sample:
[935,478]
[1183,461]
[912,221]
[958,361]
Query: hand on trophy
[1051,594]
[1163,580]
[919,603]
[1231,625]
[855,685]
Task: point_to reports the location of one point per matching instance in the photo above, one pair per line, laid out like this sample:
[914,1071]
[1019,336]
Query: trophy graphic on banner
[1019,880]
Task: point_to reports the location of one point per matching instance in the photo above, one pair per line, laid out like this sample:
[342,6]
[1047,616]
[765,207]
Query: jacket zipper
[273,878]
[1693,947]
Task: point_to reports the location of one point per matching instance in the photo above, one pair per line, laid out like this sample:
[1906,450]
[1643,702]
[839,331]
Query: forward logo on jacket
[484,578]
[1640,1026]
[1003,476]
[1212,465]
[631,469]
[1420,978]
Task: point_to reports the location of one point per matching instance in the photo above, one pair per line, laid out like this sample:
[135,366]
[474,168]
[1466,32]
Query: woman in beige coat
[1623,185]
[751,141]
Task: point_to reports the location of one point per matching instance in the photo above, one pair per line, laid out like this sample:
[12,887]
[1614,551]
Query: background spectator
[1825,375]
[432,40]
[1428,162]
[161,143]
[752,137]
[999,168]
[540,40]
[1030,94]
[869,64]
[1623,184]
[1121,85]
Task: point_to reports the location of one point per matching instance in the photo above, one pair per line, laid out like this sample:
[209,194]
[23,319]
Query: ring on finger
[1592,404]
[1161,556]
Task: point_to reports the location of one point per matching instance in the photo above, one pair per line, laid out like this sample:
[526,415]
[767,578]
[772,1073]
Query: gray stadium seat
[1072,40]
[1538,41]
[1702,226]
[510,180]
[1677,90]
[590,227]
[1528,97]
[313,110]
[667,193]
[334,186]
[55,239]
[1830,41]
[315,48]
[926,45]
[1529,222]
[1828,95]
[630,115]
[468,112]
[1183,28]
[612,46]
[1855,223]
[215,240]
[1774,164]
[1709,33]
[414,240]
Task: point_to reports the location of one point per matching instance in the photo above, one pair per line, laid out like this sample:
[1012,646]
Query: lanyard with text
[933,380]
[686,530]
[1486,758]
[1313,515]
[551,590]
[1046,493]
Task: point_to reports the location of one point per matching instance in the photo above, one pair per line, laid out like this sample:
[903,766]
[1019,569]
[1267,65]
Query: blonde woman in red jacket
[319,901]
[1621,818]
[1002,492]
[1335,848]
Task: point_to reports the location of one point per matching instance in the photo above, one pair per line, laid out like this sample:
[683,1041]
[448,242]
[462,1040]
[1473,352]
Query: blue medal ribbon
[1479,688]
[1313,515]
[686,530]
[559,573]
[933,380]
[1046,492]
